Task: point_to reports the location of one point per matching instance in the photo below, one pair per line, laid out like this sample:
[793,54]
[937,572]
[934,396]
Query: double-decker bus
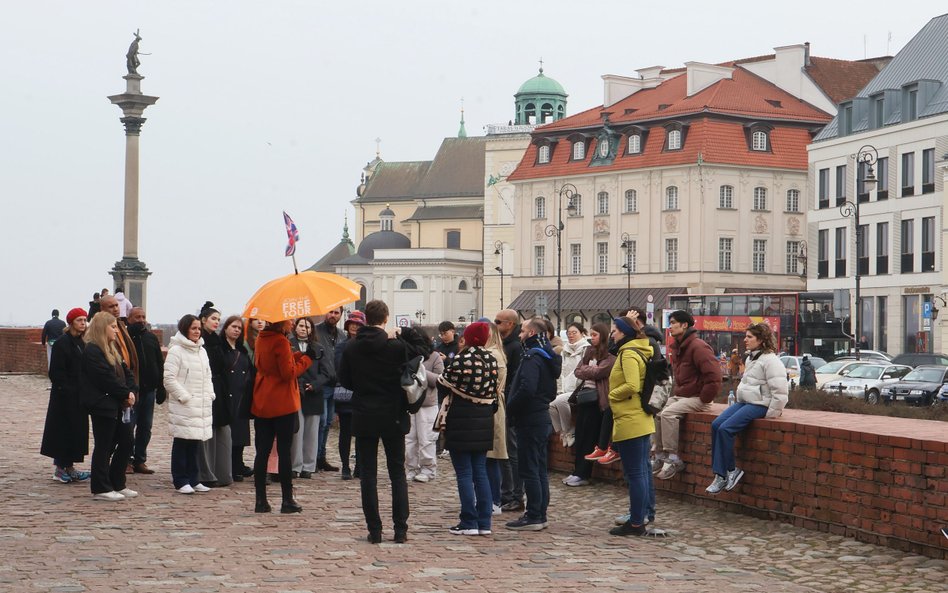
[804,322]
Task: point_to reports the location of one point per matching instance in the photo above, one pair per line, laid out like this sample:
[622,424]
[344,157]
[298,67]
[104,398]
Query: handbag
[587,396]
[415,382]
[341,395]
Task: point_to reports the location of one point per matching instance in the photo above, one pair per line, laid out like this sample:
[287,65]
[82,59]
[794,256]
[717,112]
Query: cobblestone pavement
[54,538]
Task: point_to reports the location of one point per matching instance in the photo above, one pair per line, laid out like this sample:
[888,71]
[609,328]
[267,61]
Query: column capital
[133,125]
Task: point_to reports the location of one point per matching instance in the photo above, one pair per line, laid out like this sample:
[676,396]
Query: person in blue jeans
[528,408]
[328,336]
[762,393]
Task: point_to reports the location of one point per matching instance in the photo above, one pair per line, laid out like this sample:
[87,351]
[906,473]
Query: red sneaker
[596,454]
[610,457]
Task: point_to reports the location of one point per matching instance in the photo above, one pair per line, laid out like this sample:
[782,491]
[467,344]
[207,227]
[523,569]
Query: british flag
[292,235]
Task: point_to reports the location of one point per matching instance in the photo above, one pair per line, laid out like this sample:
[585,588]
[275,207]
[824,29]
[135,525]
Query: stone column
[130,272]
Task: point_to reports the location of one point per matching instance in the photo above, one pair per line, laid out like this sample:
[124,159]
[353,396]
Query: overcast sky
[271,106]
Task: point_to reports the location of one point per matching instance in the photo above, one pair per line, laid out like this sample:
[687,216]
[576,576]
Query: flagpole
[295,270]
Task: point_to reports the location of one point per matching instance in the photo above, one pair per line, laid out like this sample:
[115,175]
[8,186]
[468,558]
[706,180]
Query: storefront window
[865,321]
[910,318]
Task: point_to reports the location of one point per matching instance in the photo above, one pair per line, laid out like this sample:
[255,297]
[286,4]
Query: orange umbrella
[301,295]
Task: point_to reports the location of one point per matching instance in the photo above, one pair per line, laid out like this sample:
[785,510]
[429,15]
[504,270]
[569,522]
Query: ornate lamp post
[627,246]
[499,250]
[477,292]
[568,190]
[801,258]
[420,315]
[867,155]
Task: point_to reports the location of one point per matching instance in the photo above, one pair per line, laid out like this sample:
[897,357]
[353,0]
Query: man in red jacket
[697,380]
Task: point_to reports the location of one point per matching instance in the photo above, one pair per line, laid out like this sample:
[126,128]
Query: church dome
[541,85]
[382,240]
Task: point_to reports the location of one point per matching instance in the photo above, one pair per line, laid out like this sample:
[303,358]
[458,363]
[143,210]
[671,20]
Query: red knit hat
[356,317]
[75,313]
[477,334]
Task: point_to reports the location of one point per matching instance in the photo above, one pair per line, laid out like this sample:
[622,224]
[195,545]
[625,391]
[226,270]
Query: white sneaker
[568,478]
[498,511]
[733,477]
[576,481]
[569,439]
[186,489]
[108,496]
[128,493]
[410,475]
[422,478]
[201,488]
[717,485]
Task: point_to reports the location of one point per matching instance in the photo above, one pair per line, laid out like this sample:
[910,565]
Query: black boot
[262,506]
[290,506]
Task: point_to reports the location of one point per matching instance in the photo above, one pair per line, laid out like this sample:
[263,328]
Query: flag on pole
[292,235]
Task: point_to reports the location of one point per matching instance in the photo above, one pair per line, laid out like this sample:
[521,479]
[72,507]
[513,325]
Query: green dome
[541,85]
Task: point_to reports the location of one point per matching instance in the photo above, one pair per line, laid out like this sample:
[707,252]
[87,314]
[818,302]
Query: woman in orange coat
[276,401]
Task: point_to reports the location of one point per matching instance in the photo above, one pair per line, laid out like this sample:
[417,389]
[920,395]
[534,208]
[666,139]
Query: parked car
[837,370]
[871,354]
[867,381]
[793,365]
[920,387]
[914,359]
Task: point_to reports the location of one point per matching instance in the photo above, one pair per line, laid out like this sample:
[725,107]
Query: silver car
[866,381]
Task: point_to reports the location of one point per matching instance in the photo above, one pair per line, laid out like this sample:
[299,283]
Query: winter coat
[66,434]
[572,354]
[695,368]
[151,362]
[471,378]
[598,372]
[499,450]
[213,345]
[626,381]
[807,374]
[332,339]
[371,368]
[534,385]
[434,366]
[125,305]
[104,388]
[190,390]
[513,350]
[276,391]
[317,376]
[764,383]
[239,387]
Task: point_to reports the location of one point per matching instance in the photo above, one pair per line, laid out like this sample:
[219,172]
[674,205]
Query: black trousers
[367,451]
[588,425]
[265,429]
[345,438]
[605,430]
[113,446]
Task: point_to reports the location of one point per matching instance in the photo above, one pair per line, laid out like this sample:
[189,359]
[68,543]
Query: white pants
[305,443]
[560,414]
[420,443]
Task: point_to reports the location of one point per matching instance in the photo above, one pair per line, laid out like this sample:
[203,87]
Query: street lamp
[420,315]
[499,250]
[867,155]
[568,190]
[627,245]
[477,291]
[801,258]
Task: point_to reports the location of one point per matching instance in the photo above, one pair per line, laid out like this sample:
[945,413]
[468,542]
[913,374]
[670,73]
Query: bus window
[725,305]
[755,305]
[740,305]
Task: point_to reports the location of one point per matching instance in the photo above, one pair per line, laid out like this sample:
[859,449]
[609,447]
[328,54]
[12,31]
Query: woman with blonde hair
[495,345]
[108,391]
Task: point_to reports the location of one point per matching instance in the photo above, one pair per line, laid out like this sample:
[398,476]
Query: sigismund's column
[130,272]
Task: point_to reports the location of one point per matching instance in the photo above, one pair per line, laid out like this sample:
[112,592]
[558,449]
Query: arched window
[453,239]
[674,140]
[671,197]
[759,140]
[579,150]
[726,199]
[530,113]
[539,207]
[631,201]
[543,154]
[546,113]
[602,203]
[635,144]
[462,285]
[408,284]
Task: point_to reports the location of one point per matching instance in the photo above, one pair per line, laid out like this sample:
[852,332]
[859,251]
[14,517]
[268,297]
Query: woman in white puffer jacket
[560,412]
[762,393]
[187,379]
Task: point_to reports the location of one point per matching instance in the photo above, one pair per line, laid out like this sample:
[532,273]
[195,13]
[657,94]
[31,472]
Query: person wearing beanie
[469,383]
[66,433]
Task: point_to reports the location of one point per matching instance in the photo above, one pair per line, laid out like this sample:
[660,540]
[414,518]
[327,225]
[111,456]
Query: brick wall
[21,351]
[878,479]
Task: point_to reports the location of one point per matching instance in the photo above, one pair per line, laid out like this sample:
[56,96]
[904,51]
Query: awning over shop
[596,299]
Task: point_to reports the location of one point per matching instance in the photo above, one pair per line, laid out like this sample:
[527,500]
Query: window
[602,203]
[759,140]
[453,239]
[882,248]
[602,258]
[760,198]
[635,144]
[882,174]
[539,207]
[631,201]
[822,261]
[878,111]
[824,188]
[862,249]
[793,200]
[543,154]
[760,255]
[671,197]
[671,255]
[928,170]
[908,246]
[908,174]
[408,284]
[629,247]
[911,105]
[840,185]
[579,150]
[725,250]
[841,252]
[793,252]
[575,258]
[726,197]
[462,285]
[577,203]
[928,244]
[674,140]
[539,257]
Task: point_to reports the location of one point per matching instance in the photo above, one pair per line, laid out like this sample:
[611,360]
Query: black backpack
[657,375]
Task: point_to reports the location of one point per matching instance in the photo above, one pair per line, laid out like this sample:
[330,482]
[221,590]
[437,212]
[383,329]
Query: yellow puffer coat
[625,384]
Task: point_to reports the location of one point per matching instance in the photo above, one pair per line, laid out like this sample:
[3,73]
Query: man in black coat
[371,368]
[327,333]
[151,389]
[52,331]
[511,486]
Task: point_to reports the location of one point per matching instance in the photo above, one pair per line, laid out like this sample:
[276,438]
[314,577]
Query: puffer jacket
[533,386]
[696,370]
[572,354]
[764,383]
[434,366]
[626,381]
[187,379]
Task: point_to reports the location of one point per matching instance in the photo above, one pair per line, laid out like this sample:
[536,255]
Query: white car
[866,381]
[836,370]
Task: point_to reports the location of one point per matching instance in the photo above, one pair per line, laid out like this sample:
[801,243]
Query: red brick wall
[878,479]
[21,351]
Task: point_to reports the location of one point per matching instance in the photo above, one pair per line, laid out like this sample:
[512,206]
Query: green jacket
[625,384]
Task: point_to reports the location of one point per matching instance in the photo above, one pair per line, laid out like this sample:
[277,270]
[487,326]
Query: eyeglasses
[499,322]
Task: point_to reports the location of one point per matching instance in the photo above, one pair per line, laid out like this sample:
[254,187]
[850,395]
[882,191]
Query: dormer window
[635,143]
[674,140]
[759,141]
[757,135]
[579,150]
[543,154]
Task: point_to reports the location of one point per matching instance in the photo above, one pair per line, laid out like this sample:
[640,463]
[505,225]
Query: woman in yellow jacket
[632,427]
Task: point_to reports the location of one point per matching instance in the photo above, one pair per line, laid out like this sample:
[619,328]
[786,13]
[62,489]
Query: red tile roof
[841,80]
